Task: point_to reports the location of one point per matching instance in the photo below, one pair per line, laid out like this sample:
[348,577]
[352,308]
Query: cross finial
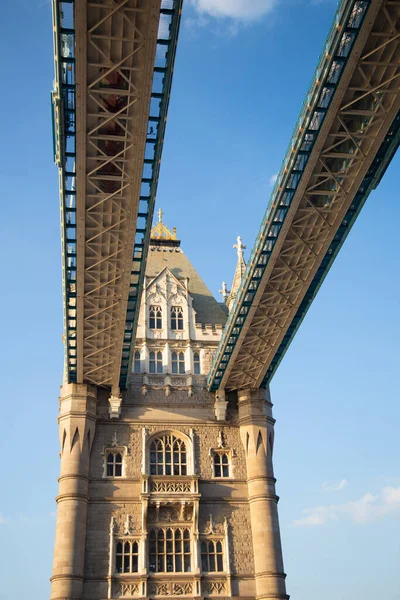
[239,246]
[160,215]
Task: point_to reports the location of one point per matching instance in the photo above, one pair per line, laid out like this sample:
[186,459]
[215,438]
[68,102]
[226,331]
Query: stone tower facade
[172,491]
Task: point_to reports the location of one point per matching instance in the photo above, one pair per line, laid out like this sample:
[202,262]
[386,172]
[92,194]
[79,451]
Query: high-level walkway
[346,135]
[114,62]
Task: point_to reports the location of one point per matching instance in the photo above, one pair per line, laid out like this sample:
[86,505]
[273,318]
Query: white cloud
[329,486]
[3,520]
[272,179]
[368,508]
[241,10]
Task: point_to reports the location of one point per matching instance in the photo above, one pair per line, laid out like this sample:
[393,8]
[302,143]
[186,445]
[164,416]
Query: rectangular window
[212,556]
[221,464]
[169,550]
[155,317]
[178,363]
[196,363]
[127,556]
[136,363]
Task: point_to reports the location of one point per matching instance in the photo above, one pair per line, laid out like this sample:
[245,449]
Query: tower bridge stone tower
[170,492]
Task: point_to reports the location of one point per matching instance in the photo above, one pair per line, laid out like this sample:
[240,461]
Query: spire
[240,269]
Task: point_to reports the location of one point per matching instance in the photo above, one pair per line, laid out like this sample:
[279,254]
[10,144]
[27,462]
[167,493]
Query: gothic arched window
[196,363]
[127,556]
[178,363]
[155,317]
[169,550]
[176,317]
[155,362]
[212,556]
[136,362]
[221,464]
[168,456]
[114,464]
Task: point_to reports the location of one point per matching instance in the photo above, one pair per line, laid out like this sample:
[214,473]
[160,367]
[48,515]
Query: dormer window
[176,318]
[155,362]
[178,363]
[155,317]
[196,363]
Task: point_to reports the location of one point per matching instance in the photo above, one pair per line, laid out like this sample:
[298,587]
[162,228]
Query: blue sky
[241,74]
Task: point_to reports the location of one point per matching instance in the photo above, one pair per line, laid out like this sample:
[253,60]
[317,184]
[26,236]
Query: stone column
[257,434]
[77,422]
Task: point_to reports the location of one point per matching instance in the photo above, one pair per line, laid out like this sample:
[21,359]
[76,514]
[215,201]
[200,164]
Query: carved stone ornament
[114,406]
[170,588]
[220,405]
[128,527]
[126,589]
[211,588]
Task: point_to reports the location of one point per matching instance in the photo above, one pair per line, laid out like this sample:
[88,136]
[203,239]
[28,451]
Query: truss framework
[114,63]
[348,127]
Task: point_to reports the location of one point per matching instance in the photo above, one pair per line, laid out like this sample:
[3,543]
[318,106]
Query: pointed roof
[239,272]
[160,256]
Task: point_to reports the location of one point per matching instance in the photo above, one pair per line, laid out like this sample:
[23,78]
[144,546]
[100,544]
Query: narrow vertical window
[136,362]
[155,317]
[114,464]
[221,465]
[177,318]
[152,362]
[159,361]
[196,363]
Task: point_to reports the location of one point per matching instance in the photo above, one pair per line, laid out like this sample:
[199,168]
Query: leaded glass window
[114,464]
[196,363]
[168,456]
[221,464]
[136,362]
[169,550]
[212,559]
[177,317]
[155,317]
[178,363]
[127,556]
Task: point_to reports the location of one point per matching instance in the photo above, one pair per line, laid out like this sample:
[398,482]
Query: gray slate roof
[207,308]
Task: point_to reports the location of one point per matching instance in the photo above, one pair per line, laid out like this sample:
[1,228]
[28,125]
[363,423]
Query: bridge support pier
[77,421]
[257,435]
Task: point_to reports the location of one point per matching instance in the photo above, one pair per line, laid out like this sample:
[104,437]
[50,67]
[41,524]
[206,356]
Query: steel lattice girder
[350,115]
[121,55]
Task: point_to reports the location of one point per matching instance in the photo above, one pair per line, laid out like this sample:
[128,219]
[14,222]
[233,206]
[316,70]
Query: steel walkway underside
[114,62]
[346,135]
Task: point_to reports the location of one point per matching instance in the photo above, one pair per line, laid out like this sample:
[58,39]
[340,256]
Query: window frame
[114,452]
[196,363]
[137,362]
[162,457]
[215,557]
[130,555]
[217,463]
[178,363]
[155,317]
[176,318]
[170,555]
